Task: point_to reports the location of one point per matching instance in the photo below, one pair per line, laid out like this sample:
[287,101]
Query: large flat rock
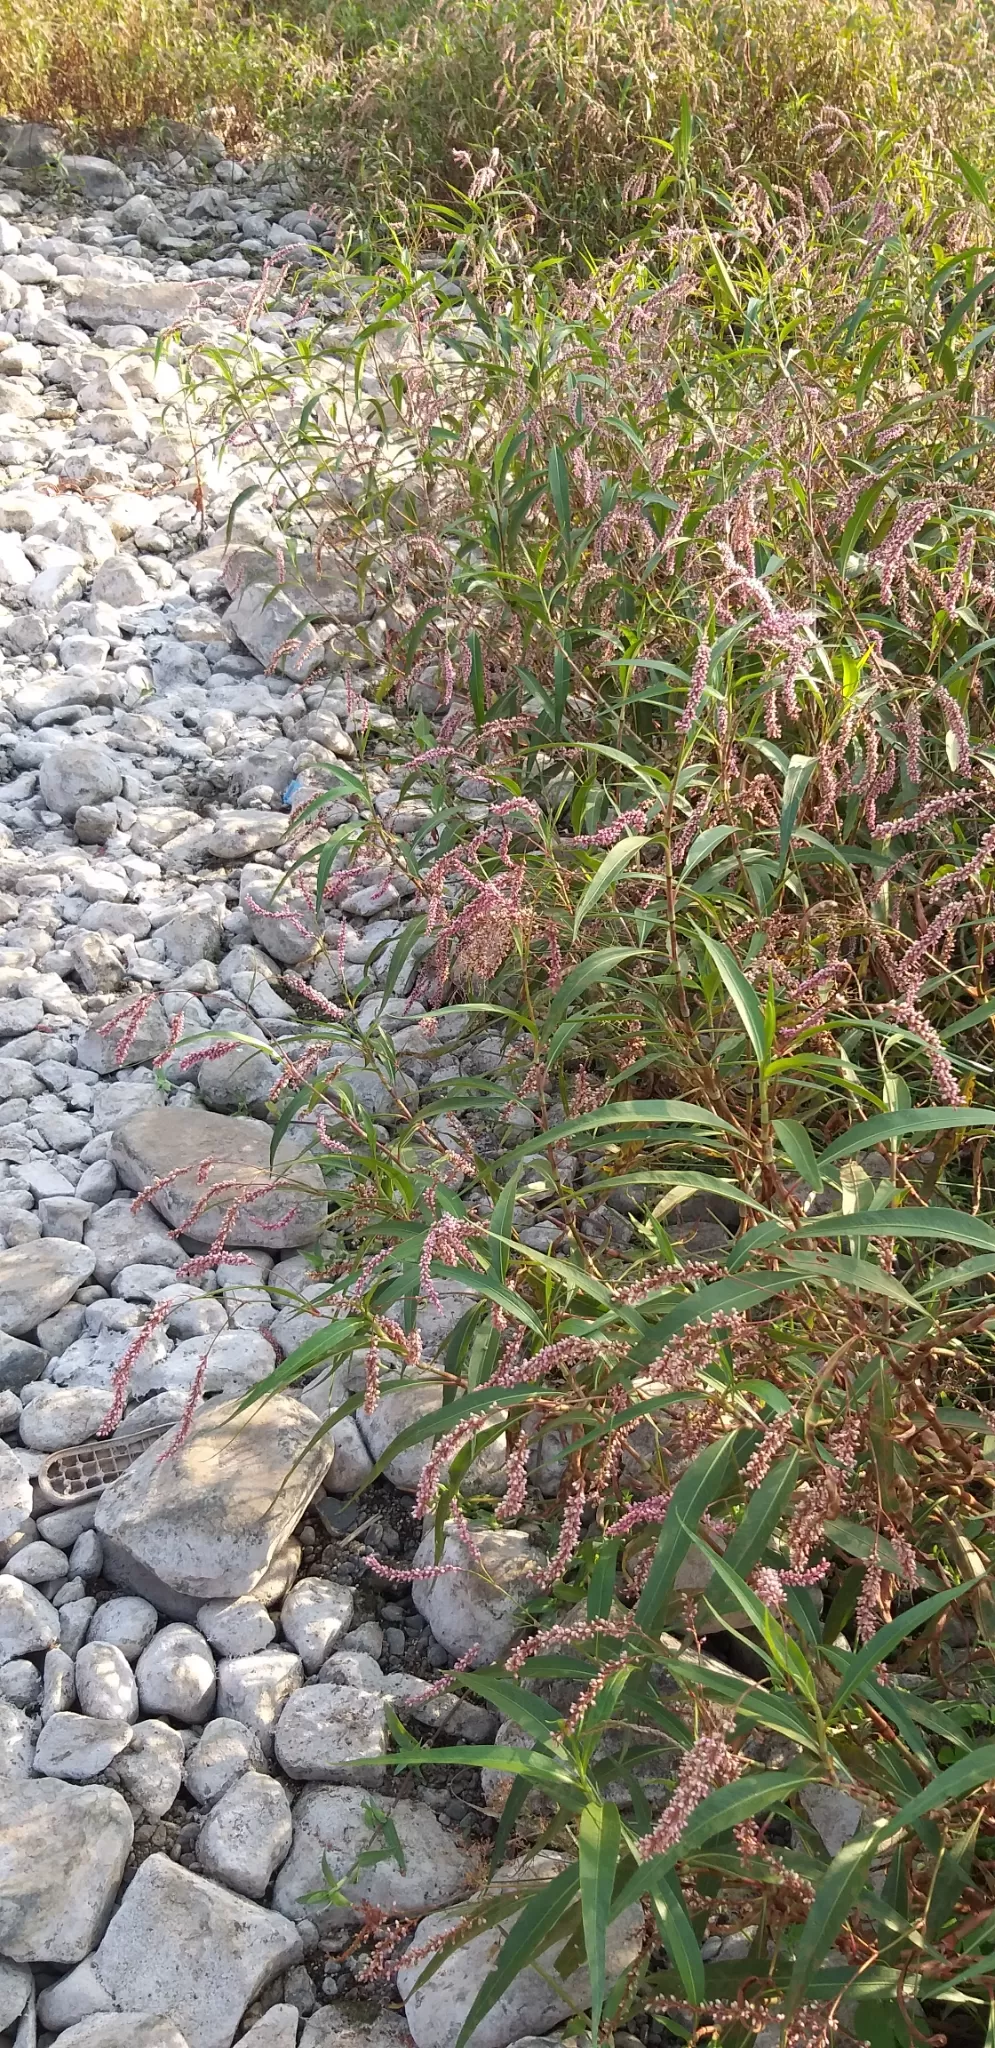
[279,617]
[93,303]
[63,1849]
[179,1944]
[176,1143]
[38,1278]
[206,1522]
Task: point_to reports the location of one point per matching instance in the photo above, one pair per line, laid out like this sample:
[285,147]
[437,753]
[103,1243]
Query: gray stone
[332,1827]
[15,1494]
[329,2028]
[160,1141]
[206,1521]
[247,1834]
[533,2003]
[19,1362]
[128,1622]
[182,1945]
[468,1612]
[116,1238]
[63,1849]
[96,178]
[150,1770]
[237,1628]
[110,1042]
[122,2030]
[255,1690]
[323,1732]
[38,1278]
[176,1675]
[315,1615]
[105,1683]
[28,1622]
[58,1685]
[16,1987]
[78,772]
[226,1749]
[834,1815]
[17,1742]
[20,1682]
[38,1564]
[270,612]
[77,1747]
[61,1416]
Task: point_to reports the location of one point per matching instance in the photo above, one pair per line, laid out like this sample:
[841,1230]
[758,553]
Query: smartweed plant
[691,567]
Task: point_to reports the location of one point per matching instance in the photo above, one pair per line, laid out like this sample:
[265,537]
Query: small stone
[466,1609]
[247,1834]
[77,1747]
[17,1743]
[128,1622]
[105,1683]
[123,2030]
[182,1945]
[314,1617]
[176,1143]
[277,2029]
[255,1690]
[63,1850]
[226,1749]
[38,1564]
[332,1829]
[78,772]
[20,1683]
[237,1628]
[324,1730]
[15,1493]
[176,1675]
[59,1684]
[59,1417]
[28,1622]
[150,1771]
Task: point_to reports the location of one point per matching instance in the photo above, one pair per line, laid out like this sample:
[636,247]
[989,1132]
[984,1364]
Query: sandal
[68,1478]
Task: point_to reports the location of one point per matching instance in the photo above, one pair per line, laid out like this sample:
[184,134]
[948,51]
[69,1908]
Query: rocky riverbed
[190,1665]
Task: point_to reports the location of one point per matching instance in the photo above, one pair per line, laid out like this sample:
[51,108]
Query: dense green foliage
[698,556]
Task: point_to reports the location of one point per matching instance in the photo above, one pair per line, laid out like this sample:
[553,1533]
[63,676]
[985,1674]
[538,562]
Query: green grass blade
[599,1840]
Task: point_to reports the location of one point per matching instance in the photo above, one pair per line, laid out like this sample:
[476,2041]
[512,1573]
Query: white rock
[180,1944]
[277,2029]
[315,1615]
[206,1521]
[28,1622]
[150,1770]
[77,1747]
[177,1142]
[121,582]
[464,1609]
[16,1987]
[176,1675]
[36,1279]
[78,772]
[105,1683]
[226,1749]
[61,1416]
[17,1742]
[532,2004]
[128,1622]
[122,2030]
[21,1683]
[247,1835]
[254,1690]
[58,1684]
[328,2028]
[237,1628]
[331,1826]
[63,1850]
[324,1730]
[15,1493]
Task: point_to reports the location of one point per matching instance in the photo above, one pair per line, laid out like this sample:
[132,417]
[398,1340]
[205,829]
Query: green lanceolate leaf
[887,1639]
[900,1124]
[835,1898]
[614,864]
[528,1936]
[743,997]
[797,1146]
[677,1934]
[599,1839]
[695,1491]
[801,769]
